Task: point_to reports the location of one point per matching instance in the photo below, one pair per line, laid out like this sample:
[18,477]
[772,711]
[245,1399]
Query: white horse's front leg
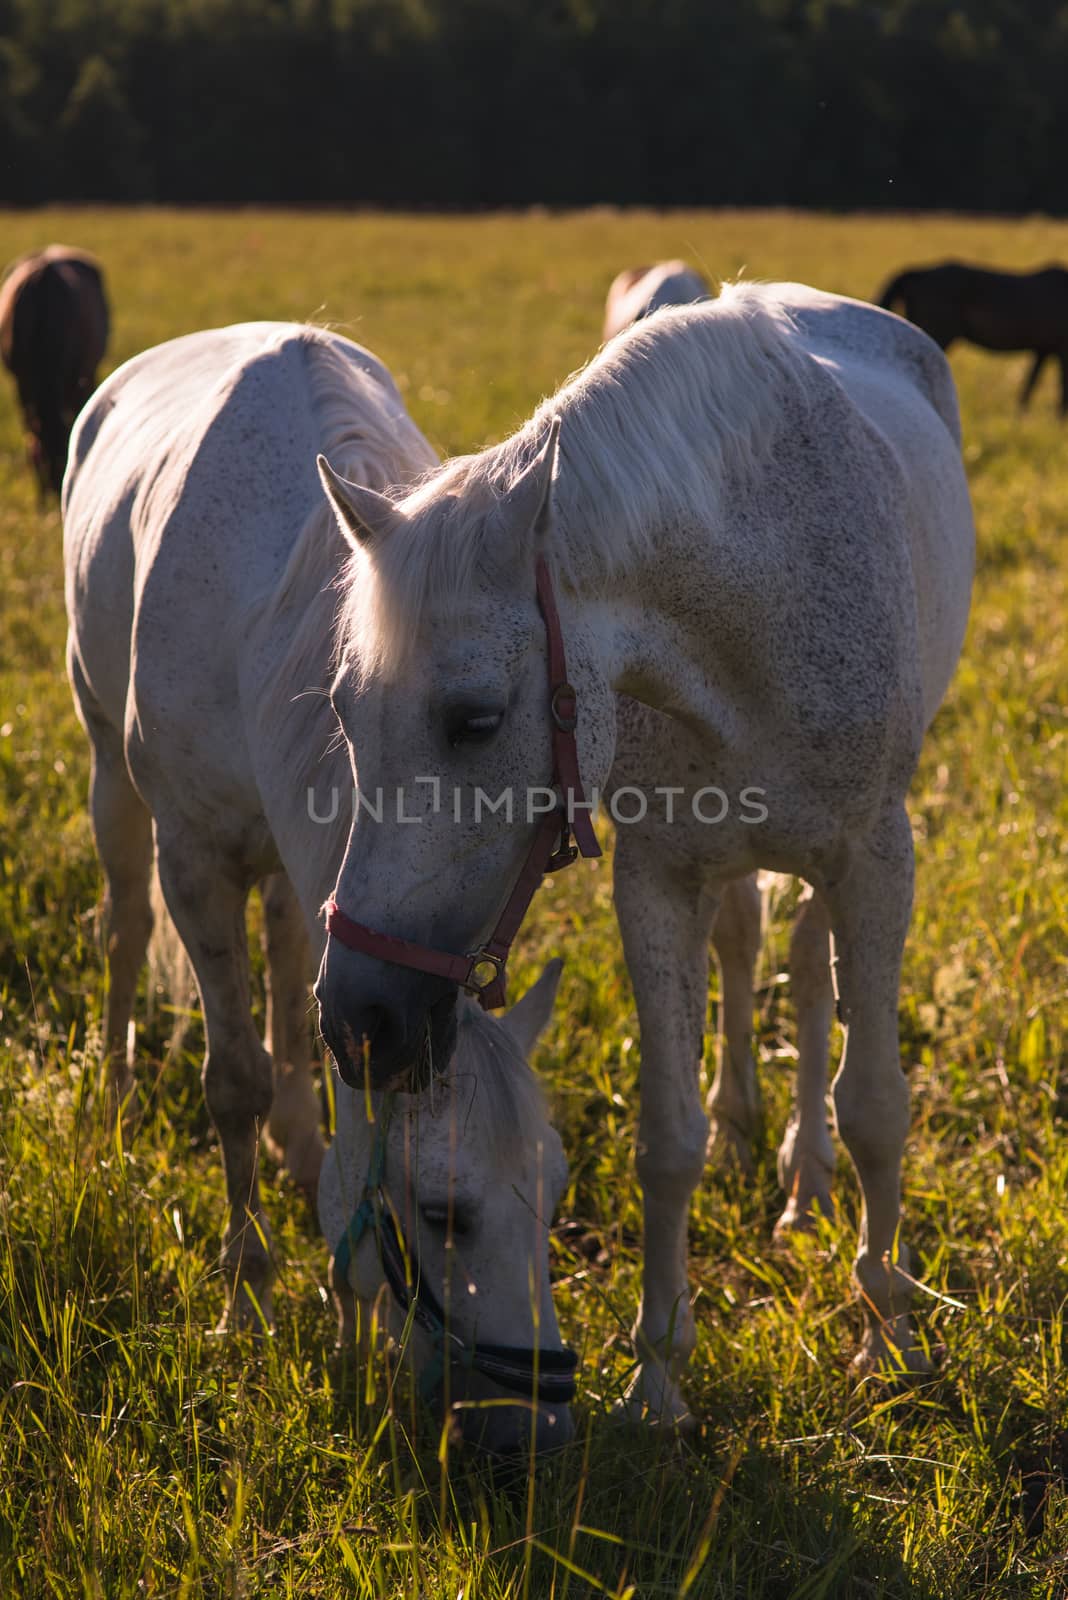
[870,905]
[733,1103]
[806,1155]
[665,918]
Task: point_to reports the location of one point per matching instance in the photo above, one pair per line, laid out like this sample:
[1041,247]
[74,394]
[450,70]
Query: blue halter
[545,1375]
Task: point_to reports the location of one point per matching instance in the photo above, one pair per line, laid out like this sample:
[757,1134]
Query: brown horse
[996,310]
[53,334]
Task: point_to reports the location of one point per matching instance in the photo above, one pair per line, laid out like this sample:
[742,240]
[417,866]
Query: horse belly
[1016,314]
[986,326]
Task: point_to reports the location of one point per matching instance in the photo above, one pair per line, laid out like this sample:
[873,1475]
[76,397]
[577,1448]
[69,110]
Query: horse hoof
[302,1159]
[667,1410]
[124,1105]
[801,1216]
[249,1306]
[257,1322]
[891,1363]
[307,1183]
[636,1414]
[730,1149]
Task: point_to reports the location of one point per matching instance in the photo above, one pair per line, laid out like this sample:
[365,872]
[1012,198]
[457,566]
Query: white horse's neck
[306,783]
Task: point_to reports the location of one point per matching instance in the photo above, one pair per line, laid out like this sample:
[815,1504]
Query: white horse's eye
[439,1218]
[477,728]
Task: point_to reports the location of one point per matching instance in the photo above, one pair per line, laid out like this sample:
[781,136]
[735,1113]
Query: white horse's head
[466,1176]
[442,694]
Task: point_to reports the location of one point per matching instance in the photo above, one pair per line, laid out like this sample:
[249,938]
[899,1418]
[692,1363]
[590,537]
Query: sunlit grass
[142,1455]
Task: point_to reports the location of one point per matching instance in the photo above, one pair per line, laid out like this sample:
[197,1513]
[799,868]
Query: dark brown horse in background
[997,310]
[53,334]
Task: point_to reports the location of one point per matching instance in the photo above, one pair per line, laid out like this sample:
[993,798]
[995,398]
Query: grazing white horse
[202,580]
[473,1171]
[639,291]
[757,518]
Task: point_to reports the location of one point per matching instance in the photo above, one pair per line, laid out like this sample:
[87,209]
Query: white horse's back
[262,390]
[192,483]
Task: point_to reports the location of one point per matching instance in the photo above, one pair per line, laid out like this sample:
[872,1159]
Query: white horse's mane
[488,1070]
[672,409]
[490,1063]
[363,427]
[368,435]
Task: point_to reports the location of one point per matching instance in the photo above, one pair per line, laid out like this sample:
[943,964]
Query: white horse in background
[639,291]
[758,521]
[202,576]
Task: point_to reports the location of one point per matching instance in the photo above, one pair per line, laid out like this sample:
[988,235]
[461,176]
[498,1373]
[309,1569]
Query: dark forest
[480,103]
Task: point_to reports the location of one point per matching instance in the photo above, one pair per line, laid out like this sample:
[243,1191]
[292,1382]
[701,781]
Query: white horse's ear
[529,502]
[530,1015]
[363,514]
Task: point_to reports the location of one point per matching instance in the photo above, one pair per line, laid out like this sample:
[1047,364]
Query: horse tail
[894,291]
[170,972]
[48,353]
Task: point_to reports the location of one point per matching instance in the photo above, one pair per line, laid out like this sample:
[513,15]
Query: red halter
[482,972]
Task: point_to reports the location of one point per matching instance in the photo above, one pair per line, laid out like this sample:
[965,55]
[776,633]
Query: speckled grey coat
[760,526]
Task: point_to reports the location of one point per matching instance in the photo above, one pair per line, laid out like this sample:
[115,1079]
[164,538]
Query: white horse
[759,524]
[472,1171]
[202,575]
[639,291]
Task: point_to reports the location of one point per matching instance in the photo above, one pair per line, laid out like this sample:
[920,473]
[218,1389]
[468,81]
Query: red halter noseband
[551,849]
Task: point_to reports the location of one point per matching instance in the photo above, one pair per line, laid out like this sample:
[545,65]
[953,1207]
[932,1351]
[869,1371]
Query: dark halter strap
[482,972]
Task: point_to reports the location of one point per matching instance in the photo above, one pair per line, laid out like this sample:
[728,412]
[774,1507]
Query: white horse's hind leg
[870,906]
[665,918]
[733,1103]
[293,1129]
[806,1155]
[122,828]
[207,902]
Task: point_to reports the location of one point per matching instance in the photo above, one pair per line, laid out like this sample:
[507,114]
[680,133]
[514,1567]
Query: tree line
[470,103]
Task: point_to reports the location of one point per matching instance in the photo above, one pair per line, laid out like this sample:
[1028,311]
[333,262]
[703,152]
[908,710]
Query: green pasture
[141,1455]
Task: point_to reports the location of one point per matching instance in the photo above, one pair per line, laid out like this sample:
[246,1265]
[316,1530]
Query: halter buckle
[566,724]
[566,850]
[486,970]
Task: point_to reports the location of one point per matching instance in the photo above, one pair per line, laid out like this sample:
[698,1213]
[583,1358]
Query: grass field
[140,1455]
